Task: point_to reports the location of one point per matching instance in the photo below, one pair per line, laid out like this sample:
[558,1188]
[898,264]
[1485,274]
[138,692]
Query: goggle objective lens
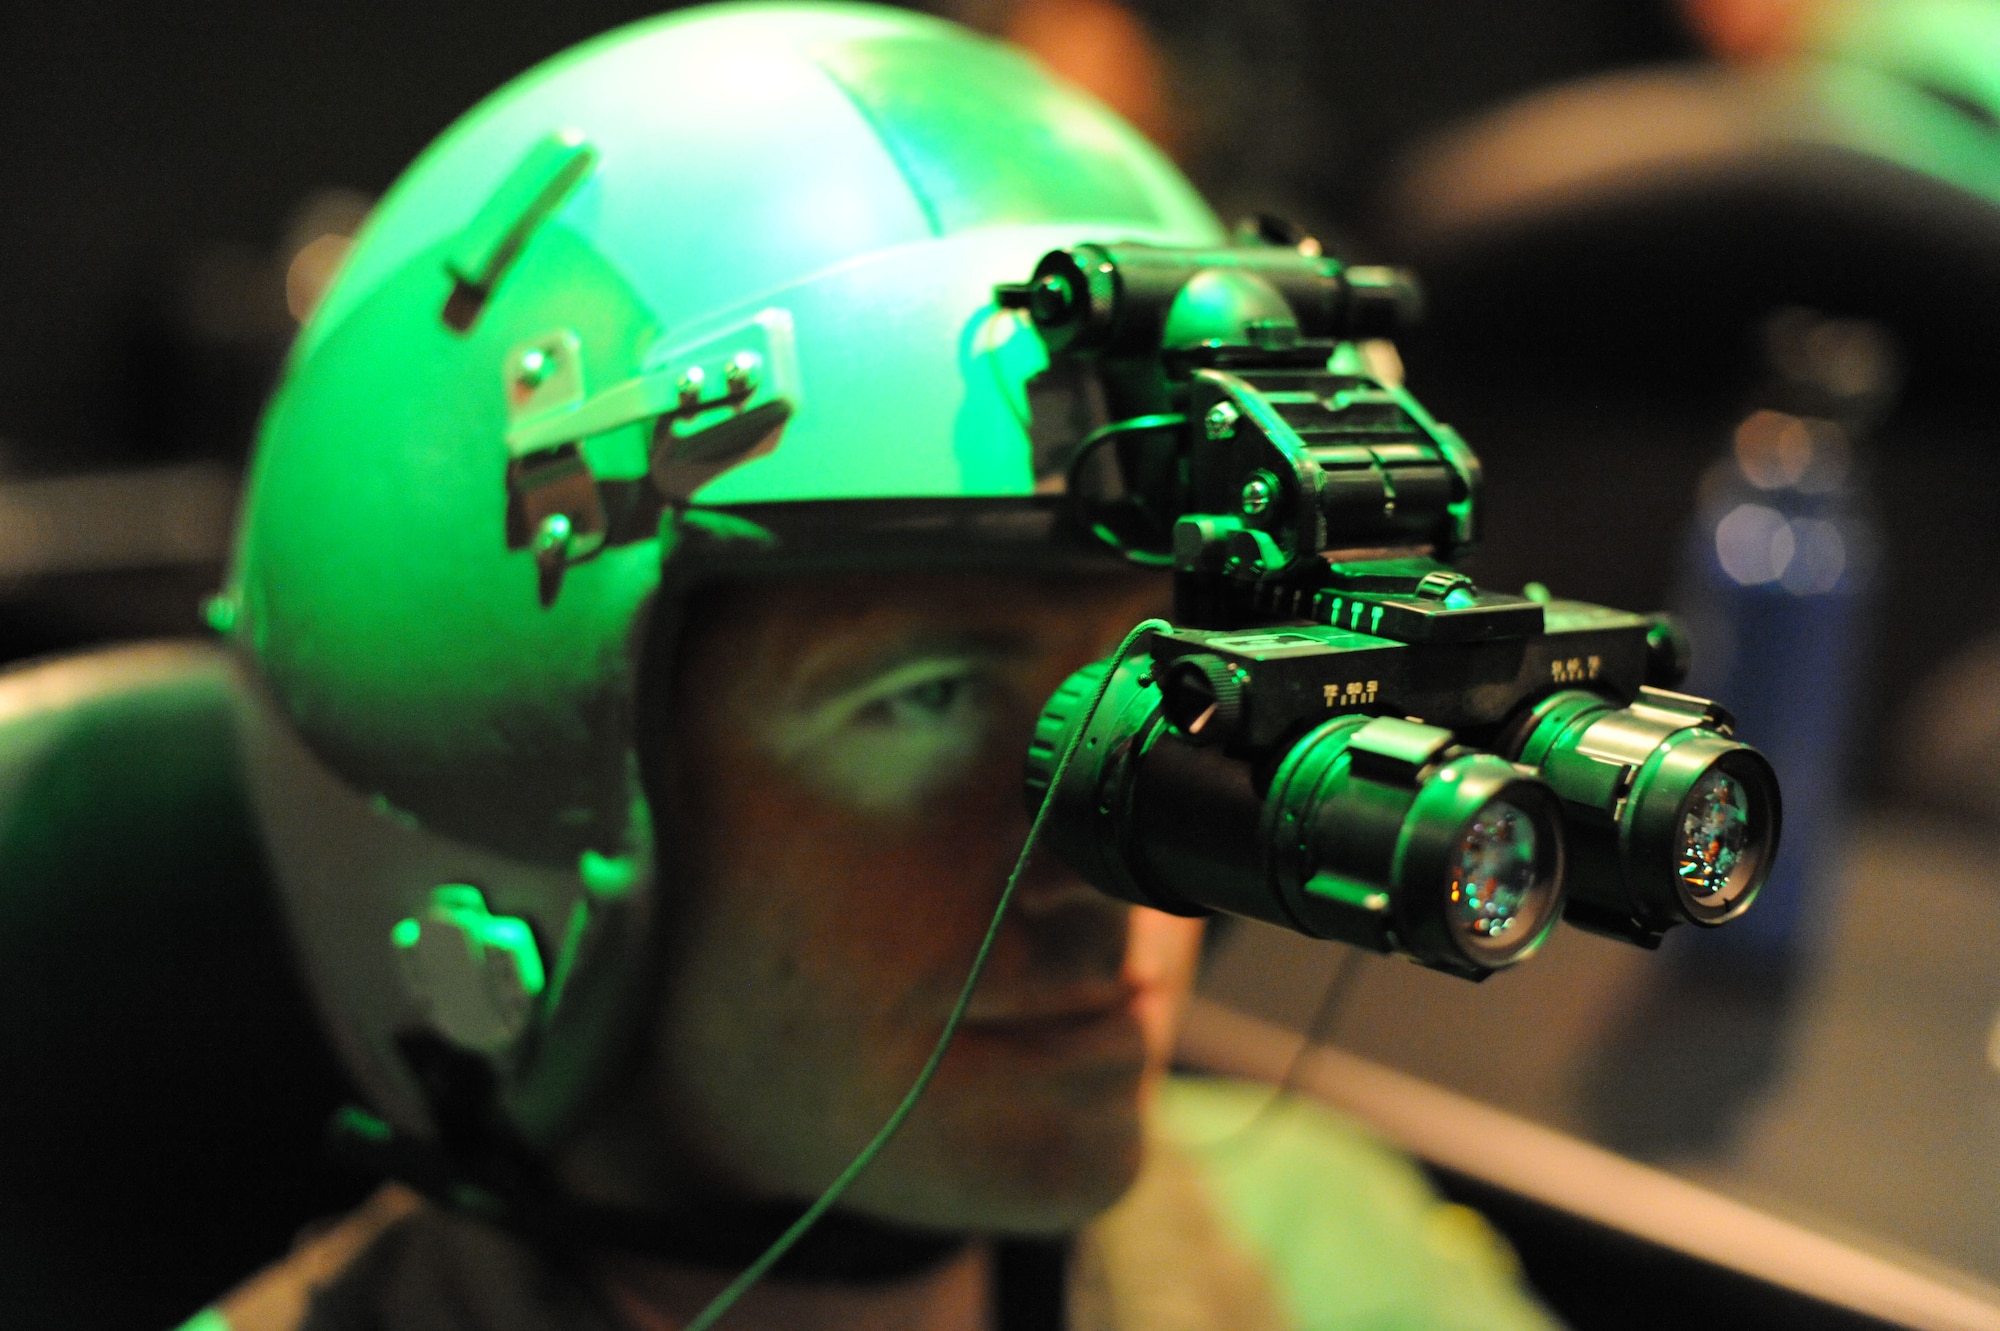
[1494,871]
[1715,829]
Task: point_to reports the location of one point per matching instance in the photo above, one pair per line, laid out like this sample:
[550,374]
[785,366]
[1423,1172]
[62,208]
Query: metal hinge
[714,403]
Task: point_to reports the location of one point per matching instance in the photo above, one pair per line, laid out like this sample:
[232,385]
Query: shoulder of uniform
[1348,1225]
[1283,1165]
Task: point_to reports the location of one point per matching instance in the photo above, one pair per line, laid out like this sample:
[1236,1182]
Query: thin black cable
[1320,1030]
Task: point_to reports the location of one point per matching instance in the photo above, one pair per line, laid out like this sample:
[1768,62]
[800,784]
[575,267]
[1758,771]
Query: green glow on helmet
[608,876]
[862,175]
[375,585]
[1915,82]
[869,172]
[359,1123]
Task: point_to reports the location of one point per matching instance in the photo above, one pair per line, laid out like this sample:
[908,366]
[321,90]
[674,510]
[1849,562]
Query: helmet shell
[850,183]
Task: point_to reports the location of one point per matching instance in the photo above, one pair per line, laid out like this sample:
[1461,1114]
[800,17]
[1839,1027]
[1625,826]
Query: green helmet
[713,292]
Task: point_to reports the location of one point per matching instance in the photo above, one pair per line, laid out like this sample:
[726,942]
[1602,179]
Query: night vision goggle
[1341,733]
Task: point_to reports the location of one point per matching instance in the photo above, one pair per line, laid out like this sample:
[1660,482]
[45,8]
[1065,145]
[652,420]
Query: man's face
[846,806]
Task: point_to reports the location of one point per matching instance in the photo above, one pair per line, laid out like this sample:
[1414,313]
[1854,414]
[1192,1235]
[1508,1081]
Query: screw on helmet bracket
[714,403]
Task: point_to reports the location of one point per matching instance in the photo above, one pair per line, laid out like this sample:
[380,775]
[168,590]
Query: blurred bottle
[1774,590]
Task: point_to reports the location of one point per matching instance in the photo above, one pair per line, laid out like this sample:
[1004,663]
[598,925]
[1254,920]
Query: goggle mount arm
[1254,447]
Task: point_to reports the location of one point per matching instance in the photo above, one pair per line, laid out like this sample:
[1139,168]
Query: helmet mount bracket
[713,403]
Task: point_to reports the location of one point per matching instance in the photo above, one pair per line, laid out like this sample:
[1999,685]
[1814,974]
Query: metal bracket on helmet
[714,403]
[732,394]
[554,506]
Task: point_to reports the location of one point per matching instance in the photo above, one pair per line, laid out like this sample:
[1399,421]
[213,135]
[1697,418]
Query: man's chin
[1015,1178]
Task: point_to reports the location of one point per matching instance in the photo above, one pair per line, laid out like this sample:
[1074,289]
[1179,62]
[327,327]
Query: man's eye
[891,745]
[927,702]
